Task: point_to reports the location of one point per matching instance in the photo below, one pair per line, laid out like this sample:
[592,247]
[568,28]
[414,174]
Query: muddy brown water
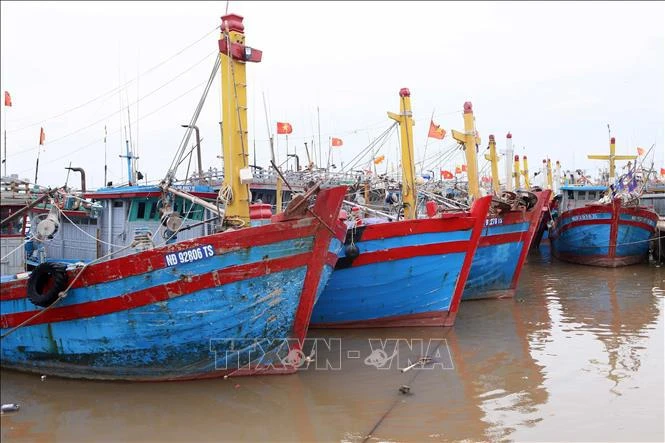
[577,355]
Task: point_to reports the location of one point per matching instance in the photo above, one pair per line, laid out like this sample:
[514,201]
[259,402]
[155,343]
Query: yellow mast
[469,139]
[517,173]
[612,158]
[527,182]
[234,55]
[495,165]
[405,120]
[550,180]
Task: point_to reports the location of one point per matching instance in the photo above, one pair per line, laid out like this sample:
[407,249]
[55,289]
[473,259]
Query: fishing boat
[510,225]
[602,225]
[231,301]
[409,272]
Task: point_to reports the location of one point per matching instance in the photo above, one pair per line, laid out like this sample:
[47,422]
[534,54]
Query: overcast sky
[554,74]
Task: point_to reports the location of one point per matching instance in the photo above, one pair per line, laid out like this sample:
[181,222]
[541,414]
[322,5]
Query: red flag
[42,136]
[8,99]
[485,179]
[435,131]
[662,171]
[458,170]
[463,168]
[640,151]
[336,141]
[284,128]
[447,175]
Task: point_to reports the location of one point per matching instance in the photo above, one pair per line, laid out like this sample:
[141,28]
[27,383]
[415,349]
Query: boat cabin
[577,196]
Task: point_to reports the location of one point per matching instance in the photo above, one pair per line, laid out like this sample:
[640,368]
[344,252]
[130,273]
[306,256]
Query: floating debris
[10,407]
[405,389]
[43,377]
[420,362]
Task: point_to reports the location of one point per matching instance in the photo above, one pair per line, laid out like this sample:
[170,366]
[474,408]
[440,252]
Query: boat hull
[242,309]
[406,273]
[502,250]
[608,235]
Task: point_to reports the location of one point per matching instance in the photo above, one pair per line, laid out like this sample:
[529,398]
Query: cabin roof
[583,188]
[146,191]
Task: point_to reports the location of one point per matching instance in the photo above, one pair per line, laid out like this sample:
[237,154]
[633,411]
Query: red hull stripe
[159,293]
[574,224]
[501,239]
[637,224]
[409,252]
[124,267]
[432,318]
[420,226]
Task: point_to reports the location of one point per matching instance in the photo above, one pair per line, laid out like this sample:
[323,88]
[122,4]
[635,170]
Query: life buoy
[351,251]
[46,281]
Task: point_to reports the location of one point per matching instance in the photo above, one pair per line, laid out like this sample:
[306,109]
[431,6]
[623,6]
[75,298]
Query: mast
[509,164]
[527,182]
[517,173]
[405,120]
[235,150]
[469,139]
[492,157]
[612,158]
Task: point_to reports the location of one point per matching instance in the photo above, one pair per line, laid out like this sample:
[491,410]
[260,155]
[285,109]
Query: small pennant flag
[284,128]
[463,168]
[435,131]
[8,99]
[662,171]
[447,175]
[336,142]
[640,151]
[379,159]
[458,170]
[485,179]
[42,136]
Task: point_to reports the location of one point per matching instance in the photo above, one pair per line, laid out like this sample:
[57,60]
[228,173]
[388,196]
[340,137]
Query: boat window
[117,204]
[571,195]
[581,195]
[140,212]
[153,211]
[592,195]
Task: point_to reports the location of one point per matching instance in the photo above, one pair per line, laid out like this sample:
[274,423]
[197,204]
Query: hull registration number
[189,255]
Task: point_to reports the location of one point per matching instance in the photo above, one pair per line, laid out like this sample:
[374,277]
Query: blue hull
[241,310]
[502,250]
[603,235]
[413,277]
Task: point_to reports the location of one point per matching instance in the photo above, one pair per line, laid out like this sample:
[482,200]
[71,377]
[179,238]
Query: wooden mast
[469,139]
[612,158]
[235,150]
[494,161]
[405,120]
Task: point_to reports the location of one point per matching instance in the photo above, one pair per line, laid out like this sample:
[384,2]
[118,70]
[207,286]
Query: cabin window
[153,211]
[117,204]
[140,212]
[581,195]
[571,195]
[592,195]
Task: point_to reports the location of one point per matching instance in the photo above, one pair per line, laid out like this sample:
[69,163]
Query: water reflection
[577,355]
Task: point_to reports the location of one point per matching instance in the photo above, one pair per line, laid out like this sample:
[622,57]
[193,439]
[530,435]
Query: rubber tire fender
[40,277]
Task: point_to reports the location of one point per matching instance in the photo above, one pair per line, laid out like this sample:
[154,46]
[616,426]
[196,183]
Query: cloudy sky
[555,74]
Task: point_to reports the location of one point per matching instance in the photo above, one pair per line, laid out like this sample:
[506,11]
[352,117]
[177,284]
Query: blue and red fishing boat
[510,226]
[504,245]
[603,225]
[588,232]
[402,273]
[233,302]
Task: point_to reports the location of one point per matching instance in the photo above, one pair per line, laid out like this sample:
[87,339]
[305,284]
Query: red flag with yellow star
[284,128]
